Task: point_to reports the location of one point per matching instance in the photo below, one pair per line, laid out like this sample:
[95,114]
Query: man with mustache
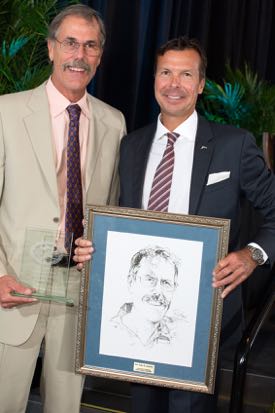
[152,280]
[211,169]
[52,138]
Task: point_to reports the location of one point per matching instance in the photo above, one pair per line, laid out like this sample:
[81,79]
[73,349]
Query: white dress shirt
[184,151]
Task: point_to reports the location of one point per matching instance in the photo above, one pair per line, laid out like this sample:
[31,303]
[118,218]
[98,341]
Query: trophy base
[68,301]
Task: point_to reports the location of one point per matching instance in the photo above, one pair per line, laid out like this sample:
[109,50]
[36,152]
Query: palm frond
[23,53]
[224,102]
[243,100]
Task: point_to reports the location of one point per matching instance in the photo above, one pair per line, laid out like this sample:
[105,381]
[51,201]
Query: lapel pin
[203,147]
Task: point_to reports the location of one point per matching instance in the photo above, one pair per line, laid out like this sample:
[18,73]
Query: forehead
[157,265]
[179,59]
[78,27]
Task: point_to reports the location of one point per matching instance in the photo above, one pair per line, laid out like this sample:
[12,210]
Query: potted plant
[243,100]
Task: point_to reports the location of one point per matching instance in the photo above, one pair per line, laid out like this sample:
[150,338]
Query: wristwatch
[256,254]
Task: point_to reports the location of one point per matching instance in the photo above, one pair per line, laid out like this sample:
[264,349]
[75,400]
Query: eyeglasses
[71,46]
[151,282]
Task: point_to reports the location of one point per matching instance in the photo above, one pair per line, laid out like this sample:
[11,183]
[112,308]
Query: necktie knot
[172,137]
[74,112]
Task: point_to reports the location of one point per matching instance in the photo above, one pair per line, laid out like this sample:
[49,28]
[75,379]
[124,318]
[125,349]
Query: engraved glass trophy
[46,263]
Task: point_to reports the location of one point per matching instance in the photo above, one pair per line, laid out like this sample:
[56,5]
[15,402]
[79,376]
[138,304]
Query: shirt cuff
[265,256]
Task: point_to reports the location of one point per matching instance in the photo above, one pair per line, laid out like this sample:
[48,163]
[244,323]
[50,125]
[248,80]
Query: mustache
[78,64]
[156,299]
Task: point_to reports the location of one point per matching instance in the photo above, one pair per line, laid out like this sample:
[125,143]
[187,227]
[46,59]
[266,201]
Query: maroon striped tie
[161,187]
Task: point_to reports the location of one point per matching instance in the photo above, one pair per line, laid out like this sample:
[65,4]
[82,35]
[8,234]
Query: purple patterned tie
[161,187]
[74,207]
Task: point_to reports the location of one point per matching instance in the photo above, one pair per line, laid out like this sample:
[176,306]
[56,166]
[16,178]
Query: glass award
[46,263]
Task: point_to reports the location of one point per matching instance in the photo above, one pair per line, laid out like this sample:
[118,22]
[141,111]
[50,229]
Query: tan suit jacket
[28,184]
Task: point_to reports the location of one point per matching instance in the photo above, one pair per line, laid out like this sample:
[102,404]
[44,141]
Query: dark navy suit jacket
[218,148]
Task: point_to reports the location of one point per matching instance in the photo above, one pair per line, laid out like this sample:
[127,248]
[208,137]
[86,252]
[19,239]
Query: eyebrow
[75,40]
[70,38]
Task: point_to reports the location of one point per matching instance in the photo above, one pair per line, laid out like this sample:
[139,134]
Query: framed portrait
[148,312]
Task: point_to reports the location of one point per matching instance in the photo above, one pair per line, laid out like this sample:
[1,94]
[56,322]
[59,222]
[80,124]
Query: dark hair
[151,252]
[80,10]
[184,43]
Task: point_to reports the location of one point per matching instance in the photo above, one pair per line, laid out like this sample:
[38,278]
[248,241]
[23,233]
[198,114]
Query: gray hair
[80,10]
[151,252]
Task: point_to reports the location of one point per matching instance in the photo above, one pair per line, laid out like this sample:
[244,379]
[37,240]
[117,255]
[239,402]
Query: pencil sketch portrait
[146,323]
[152,280]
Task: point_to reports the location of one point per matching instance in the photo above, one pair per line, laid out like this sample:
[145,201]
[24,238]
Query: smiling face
[153,288]
[72,72]
[177,85]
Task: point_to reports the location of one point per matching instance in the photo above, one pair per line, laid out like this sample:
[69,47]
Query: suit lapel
[97,133]
[38,127]
[202,156]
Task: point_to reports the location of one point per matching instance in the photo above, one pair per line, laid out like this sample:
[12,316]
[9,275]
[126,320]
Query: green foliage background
[243,100]
[24,60]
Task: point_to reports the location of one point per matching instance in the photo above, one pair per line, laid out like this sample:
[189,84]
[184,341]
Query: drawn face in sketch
[153,287]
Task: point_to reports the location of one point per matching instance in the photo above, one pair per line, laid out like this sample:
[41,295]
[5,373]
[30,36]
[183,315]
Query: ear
[50,44]
[130,288]
[99,60]
[201,86]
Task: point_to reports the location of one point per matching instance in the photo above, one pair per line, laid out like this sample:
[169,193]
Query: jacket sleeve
[3,261]
[258,186]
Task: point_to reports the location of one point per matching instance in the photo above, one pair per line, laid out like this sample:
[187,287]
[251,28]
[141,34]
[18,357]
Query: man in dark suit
[212,168]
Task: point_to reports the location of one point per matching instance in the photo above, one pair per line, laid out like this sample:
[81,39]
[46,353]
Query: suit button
[56,219]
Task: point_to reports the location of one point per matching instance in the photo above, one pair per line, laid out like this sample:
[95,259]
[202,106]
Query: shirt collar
[58,102]
[186,129]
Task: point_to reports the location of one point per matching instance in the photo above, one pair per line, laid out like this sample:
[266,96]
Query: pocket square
[217,177]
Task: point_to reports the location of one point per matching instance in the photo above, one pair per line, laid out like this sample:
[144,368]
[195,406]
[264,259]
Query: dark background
[237,31]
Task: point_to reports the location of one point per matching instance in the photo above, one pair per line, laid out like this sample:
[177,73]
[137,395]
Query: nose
[158,295]
[175,80]
[157,288]
[80,52]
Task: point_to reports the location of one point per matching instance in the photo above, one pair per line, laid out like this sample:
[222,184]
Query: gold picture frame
[148,312]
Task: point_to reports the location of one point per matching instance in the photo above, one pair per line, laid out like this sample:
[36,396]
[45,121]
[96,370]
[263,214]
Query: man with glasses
[152,281]
[55,141]
[150,323]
